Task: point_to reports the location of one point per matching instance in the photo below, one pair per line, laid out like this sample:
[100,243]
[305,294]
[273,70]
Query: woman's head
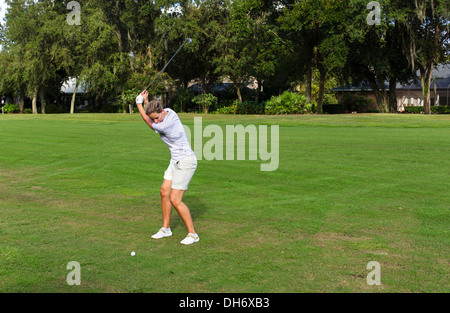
[155,111]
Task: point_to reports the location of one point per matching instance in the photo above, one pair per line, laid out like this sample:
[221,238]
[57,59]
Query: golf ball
[133,253]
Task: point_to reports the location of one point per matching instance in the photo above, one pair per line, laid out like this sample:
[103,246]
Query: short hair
[154,106]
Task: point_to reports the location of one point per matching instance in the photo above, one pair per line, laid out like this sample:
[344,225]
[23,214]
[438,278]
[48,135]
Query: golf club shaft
[187,40]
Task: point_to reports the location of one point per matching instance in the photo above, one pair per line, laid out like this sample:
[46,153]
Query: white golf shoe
[162,233]
[190,239]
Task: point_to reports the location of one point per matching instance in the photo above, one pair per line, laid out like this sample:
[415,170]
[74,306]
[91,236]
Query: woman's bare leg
[176,197]
[166,205]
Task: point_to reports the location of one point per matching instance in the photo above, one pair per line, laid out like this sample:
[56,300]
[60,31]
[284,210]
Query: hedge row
[442,109]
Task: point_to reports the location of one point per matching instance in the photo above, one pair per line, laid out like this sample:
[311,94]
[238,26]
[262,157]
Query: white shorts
[181,172]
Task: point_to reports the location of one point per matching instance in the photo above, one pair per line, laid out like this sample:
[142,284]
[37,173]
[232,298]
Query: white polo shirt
[172,133]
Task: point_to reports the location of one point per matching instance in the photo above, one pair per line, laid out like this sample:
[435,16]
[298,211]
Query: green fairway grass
[349,189]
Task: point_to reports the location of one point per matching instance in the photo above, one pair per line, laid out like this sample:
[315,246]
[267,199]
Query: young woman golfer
[182,165]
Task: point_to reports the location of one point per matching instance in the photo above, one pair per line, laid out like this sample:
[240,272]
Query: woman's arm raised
[143,97]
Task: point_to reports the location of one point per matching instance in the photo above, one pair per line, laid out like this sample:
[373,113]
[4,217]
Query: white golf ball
[133,253]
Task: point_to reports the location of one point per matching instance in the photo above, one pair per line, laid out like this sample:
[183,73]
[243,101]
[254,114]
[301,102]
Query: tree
[233,62]
[15,35]
[203,21]
[425,38]
[377,56]
[316,30]
[293,22]
[11,69]
[370,54]
[93,52]
[32,38]
[251,46]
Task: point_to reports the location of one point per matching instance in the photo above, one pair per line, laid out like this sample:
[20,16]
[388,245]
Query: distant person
[183,164]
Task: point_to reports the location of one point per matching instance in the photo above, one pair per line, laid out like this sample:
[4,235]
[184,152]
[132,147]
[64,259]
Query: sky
[2,13]
[2,10]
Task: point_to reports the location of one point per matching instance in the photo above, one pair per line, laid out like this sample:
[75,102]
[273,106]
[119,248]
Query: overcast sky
[2,10]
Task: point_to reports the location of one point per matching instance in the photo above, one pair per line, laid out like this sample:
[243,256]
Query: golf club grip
[149,86]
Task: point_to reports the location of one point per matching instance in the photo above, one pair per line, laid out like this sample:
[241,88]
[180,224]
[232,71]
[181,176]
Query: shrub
[288,103]
[11,108]
[250,107]
[333,108]
[247,107]
[356,103]
[205,101]
[224,103]
[411,109]
[227,110]
[442,109]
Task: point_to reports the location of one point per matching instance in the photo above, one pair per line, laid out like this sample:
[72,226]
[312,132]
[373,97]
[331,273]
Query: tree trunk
[319,109]
[384,104]
[309,80]
[379,93]
[96,102]
[392,95]
[43,103]
[430,65]
[425,79]
[124,103]
[322,71]
[239,94]
[74,95]
[258,90]
[34,100]
[21,101]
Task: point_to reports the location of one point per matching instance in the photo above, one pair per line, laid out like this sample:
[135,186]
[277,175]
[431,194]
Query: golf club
[189,40]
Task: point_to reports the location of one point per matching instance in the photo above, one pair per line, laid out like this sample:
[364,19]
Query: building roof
[440,79]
